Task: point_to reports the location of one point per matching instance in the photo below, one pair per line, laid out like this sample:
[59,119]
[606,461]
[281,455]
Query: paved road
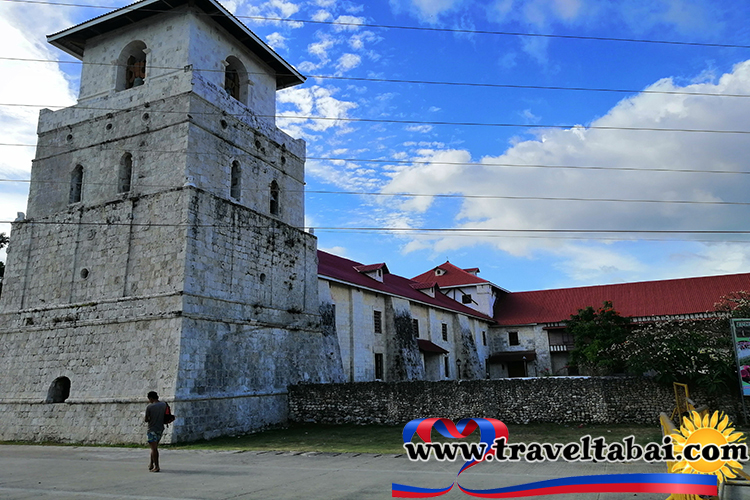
[82,473]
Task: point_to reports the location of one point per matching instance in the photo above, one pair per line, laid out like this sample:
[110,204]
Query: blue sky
[391,138]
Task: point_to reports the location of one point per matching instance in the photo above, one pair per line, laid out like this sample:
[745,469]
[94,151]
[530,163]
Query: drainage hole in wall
[224,124]
[84,273]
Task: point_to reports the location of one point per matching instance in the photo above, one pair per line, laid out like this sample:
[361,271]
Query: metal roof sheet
[642,299]
[454,276]
[342,269]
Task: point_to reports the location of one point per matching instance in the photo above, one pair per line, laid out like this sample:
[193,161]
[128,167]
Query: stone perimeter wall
[600,400]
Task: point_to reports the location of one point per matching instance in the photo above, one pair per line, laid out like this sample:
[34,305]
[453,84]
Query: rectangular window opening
[513,338]
[377,320]
[378,366]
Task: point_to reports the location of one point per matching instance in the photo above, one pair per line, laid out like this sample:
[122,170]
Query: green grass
[387,439]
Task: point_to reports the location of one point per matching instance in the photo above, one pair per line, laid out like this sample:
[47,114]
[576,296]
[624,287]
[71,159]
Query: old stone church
[161,249]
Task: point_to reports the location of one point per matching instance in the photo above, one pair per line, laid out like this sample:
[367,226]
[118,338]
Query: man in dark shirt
[155,418]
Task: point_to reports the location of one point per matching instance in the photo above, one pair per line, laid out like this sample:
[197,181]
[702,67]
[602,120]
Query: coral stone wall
[601,400]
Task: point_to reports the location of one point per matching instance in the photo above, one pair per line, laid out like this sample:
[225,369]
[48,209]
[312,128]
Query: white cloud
[348,62]
[337,250]
[699,18]
[321,16]
[422,129]
[276,40]
[613,149]
[22,31]
[315,101]
[529,116]
[285,9]
[358,40]
[348,23]
[274,9]
[320,49]
[426,10]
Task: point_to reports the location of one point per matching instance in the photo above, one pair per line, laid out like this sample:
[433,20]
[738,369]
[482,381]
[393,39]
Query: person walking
[155,418]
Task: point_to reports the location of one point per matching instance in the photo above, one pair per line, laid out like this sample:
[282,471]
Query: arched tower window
[59,391]
[235,79]
[275,194]
[235,189]
[131,66]
[76,185]
[126,173]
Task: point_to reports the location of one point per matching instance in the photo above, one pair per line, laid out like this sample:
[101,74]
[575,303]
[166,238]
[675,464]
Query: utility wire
[414,82]
[428,195]
[409,230]
[419,162]
[416,28]
[293,118]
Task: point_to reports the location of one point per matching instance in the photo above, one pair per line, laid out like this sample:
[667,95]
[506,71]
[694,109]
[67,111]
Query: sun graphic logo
[708,445]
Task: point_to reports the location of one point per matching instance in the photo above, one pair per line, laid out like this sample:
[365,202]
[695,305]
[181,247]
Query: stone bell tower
[162,246]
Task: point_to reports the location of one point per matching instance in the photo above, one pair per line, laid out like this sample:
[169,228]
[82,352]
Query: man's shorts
[153,437]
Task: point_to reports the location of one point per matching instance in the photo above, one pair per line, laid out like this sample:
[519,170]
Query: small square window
[377,319]
[513,338]
[445,332]
[466,298]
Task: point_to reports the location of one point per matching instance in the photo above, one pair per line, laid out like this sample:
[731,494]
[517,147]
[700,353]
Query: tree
[595,331]
[697,353]
[734,304]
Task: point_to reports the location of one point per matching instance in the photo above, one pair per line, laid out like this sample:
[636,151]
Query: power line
[418,82]
[422,122]
[420,162]
[406,230]
[436,195]
[425,28]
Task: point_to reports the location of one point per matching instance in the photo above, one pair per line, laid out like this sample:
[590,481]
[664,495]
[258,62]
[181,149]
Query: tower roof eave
[73,40]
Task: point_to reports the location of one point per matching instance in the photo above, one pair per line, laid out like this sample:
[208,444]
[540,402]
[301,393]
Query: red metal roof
[427,346]
[368,268]
[644,299]
[454,276]
[422,285]
[344,270]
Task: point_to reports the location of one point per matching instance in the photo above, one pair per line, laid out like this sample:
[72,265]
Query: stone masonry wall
[572,400]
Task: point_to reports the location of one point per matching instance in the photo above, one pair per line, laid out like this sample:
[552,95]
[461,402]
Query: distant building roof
[73,40]
[637,300]
[341,269]
[368,268]
[447,275]
[417,285]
